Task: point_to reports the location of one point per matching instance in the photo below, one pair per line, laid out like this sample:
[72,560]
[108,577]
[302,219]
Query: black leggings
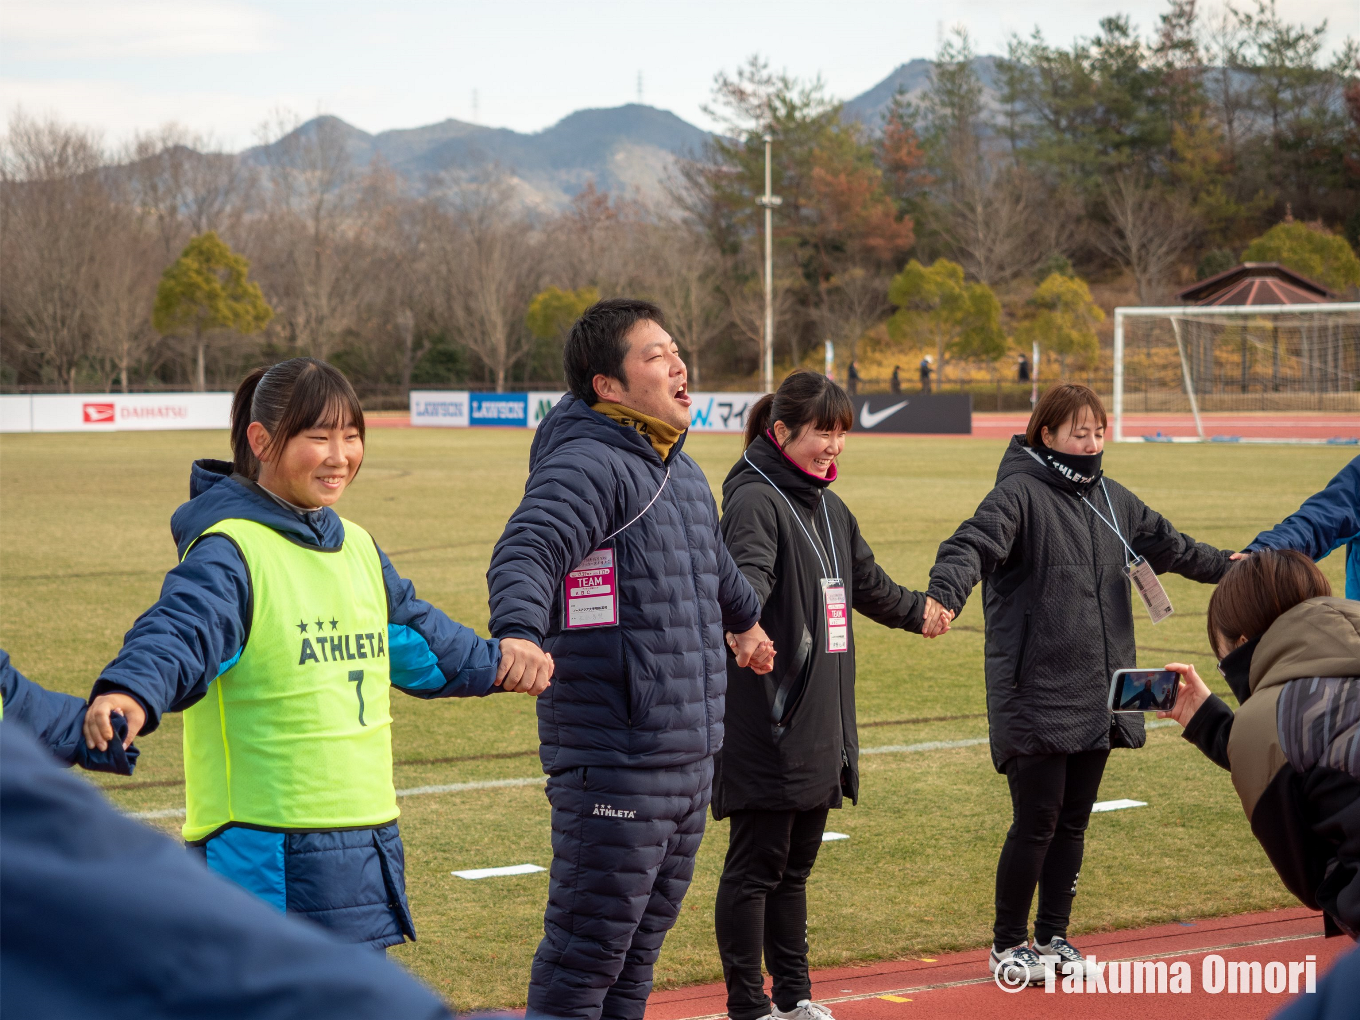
[1051,798]
[762,902]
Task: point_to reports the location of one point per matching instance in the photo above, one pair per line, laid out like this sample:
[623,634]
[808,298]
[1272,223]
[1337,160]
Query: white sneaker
[1065,952]
[805,1010]
[1017,964]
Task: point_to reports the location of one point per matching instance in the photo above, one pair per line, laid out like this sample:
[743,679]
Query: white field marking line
[862,996]
[414,791]
[513,869]
[493,784]
[1116,805]
[831,837]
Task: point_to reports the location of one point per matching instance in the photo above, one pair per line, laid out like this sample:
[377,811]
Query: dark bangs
[287,399]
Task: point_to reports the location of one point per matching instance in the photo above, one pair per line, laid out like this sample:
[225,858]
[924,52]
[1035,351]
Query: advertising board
[943,413]
[440,408]
[114,412]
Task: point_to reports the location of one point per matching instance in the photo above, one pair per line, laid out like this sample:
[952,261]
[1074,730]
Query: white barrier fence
[709,412]
[113,412]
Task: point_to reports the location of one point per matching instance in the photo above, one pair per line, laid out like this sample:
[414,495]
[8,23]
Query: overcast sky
[223,66]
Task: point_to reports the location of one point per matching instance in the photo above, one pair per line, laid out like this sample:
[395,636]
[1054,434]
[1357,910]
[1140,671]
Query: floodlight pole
[769,201]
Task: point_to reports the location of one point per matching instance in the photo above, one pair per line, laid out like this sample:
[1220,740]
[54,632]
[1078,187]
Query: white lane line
[514,869]
[493,784]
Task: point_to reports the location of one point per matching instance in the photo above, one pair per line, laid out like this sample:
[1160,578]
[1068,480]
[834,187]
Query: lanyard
[816,545]
[1110,523]
[644,510]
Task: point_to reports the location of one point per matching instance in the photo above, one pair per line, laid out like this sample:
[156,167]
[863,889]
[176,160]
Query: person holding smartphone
[791,752]
[1291,655]
[1055,544]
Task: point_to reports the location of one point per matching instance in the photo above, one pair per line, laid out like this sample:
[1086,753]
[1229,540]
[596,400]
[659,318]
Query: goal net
[1248,373]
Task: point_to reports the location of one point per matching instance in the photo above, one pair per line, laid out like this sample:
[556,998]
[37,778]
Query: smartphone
[1144,690]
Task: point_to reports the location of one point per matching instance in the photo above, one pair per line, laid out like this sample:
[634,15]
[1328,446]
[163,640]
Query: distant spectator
[926,369]
[1022,369]
[852,380]
[1327,520]
[895,383]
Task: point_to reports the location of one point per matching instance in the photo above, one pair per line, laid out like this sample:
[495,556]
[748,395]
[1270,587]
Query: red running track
[958,984]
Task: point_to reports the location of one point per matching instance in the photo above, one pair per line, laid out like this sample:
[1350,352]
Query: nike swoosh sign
[868,419]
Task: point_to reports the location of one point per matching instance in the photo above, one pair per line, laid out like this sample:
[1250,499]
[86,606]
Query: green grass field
[84,542]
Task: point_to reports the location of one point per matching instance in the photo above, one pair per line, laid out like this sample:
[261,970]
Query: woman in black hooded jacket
[791,753]
[1052,544]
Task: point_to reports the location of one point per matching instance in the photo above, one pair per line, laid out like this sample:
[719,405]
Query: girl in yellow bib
[279,636]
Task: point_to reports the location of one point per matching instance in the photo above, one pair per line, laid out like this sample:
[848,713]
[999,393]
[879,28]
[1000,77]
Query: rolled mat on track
[958,985]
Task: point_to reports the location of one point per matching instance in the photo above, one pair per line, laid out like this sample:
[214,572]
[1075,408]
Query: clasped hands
[937,619]
[752,648]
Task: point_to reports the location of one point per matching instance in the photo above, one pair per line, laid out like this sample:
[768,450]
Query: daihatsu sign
[114,412]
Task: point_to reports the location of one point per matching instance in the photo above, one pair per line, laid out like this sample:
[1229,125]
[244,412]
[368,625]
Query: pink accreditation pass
[837,615]
[590,593]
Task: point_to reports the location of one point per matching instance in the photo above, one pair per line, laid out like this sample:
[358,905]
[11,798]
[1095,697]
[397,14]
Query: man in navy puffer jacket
[635,712]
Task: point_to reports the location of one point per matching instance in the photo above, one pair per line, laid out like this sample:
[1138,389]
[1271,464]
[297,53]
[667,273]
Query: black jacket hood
[764,456]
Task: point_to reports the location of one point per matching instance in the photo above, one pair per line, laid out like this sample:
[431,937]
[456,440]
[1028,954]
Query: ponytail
[758,419]
[289,398]
[803,398]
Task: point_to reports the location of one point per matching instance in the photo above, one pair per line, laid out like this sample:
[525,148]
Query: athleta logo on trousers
[609,811]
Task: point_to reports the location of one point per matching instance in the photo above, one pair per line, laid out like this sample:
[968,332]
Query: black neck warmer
[1236,669]
[1080,470]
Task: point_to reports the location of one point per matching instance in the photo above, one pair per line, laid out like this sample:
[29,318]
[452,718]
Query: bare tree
[56,213]
[121,298]
[185,186]
[1147,231]
[314,227]
[853,302]
[488,261]
[684,271]
[999,221]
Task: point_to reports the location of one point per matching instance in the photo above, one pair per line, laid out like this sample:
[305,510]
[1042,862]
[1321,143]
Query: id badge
[837,617]
[590,593]
[1149,589]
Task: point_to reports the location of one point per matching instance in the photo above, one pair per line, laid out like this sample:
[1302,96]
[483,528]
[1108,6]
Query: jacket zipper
[628,684]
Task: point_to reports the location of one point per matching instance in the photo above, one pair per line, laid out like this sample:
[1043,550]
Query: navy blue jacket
[648,693]
[57,720]
[103,917]
[198,626]
[1327,520]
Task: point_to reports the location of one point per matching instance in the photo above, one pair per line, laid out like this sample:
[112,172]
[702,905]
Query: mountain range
[626,149]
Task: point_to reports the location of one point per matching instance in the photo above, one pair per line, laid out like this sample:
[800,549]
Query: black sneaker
[1018,965]
[1065,952]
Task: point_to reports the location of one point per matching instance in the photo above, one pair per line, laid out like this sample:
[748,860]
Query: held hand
[98,729]
[753,648]
[1239,556]
[937,619]
[1193,693]
[525,668]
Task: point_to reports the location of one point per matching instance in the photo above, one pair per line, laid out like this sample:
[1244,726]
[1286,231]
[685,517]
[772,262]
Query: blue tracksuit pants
[624,841]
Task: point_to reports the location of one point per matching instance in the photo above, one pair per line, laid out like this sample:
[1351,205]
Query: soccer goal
[1241,373]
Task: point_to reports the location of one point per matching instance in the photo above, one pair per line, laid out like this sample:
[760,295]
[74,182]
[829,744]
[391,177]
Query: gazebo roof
[1256,283]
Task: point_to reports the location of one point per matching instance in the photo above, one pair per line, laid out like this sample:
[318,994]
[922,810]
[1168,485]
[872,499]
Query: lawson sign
[113,412]
[709,412]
